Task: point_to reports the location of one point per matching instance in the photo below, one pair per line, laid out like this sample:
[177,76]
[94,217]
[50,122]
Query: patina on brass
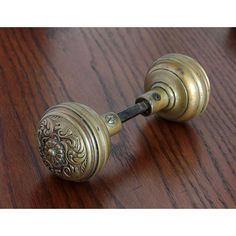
[185,83]
[74,141]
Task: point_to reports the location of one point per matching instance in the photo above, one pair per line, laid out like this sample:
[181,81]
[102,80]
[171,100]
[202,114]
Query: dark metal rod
[132,111]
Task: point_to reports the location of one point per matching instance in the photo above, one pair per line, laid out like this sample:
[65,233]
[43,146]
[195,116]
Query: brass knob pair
[74,141]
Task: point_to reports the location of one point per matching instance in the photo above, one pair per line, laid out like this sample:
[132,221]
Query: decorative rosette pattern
[62,152]
[74,142]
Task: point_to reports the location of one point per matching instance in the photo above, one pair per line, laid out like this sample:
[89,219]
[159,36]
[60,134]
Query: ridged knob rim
[185,81]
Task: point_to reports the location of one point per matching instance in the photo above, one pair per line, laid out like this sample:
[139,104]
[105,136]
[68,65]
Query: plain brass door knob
[74,141]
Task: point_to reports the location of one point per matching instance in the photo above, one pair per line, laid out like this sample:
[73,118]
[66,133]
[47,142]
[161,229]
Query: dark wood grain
[154,163]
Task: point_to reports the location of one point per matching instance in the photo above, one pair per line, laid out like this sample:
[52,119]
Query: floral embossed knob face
[74,142]
[54,152]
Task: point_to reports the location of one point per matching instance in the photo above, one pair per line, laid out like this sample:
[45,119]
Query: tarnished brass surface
[74,141]
[157,99]
[185,82]
[112,122]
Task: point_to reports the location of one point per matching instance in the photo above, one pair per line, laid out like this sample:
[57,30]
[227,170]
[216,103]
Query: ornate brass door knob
[74,141]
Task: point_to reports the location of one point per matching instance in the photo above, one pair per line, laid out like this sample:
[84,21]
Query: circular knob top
[185,82]
[74,142]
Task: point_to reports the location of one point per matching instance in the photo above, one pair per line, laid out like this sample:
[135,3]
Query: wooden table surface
[154,163]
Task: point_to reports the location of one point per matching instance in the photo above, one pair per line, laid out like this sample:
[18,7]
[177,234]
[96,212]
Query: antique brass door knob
[74,141]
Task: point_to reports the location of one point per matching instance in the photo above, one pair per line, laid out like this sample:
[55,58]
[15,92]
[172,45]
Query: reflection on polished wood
[154,163]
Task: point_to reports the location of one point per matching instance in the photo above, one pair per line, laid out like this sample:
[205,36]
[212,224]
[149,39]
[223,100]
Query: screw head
[110,118]
[156,96]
